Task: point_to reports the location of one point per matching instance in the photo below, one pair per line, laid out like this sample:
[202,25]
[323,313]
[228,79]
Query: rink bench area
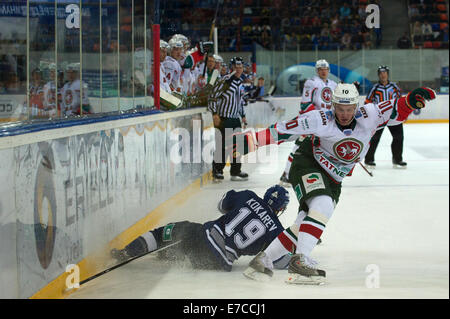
[74,190]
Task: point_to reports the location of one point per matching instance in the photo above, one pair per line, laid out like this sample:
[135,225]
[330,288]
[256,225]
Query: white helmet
[164,45]
[182,38]
[322,64]
[345,94]
[174,43]
[218,58]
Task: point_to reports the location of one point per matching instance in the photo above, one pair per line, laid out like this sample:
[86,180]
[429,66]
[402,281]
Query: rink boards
[69,195]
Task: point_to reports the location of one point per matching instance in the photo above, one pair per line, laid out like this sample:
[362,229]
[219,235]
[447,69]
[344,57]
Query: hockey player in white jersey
[172,65]
[316,95]
[334,141]
[72,91]
[163,81]
[50,93]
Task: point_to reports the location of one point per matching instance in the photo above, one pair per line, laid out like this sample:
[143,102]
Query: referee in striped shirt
[382,91]
[226,105]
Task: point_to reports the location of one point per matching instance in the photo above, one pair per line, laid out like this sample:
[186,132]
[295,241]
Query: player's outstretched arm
[283,131]
[416,99]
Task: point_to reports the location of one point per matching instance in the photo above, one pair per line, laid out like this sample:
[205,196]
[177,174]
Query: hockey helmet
[174,43]
[383,68]
[322,64]
[183,39]
[277,197]
[218,58]
[164,45]
[74,67]
[237,60]
[345,93]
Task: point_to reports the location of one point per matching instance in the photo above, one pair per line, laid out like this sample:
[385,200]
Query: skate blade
[238,179]
[252,274]
[217,181]
[398,167]
[298,279]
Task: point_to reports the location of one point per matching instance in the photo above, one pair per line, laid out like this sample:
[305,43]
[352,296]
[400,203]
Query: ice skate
[258,268]
[217,177]
[302,271]
[240,177]
[399,164]
[370,165]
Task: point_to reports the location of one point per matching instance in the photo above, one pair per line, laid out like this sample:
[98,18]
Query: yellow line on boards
[89,266]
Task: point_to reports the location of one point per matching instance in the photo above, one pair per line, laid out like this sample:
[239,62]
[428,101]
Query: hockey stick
[213,25]
[125,262]
[365,168]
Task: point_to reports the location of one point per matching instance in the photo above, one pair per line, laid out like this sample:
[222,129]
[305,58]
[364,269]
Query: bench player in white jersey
[316,95]
[172,65]
[163,81]
[72,101]
[50,97]
[336,140]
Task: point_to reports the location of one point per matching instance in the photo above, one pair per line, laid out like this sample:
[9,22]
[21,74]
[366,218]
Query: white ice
[394,225]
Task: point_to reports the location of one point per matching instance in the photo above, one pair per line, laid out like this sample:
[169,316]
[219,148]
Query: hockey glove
[205,47]
[417,97]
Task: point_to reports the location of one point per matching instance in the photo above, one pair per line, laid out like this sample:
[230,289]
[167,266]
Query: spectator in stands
[357,41]
[404,42]
[265,39]
[316,24]
[417,33]
[367,37]
[413,12]
[344,11]
[427,31]
[325,32]
[346,41]
[335,20]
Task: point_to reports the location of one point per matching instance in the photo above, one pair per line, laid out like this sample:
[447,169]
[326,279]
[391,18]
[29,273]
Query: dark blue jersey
[247,226]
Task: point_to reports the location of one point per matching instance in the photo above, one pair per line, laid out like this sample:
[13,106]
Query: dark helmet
[383,68]
[236,60]
[277,197]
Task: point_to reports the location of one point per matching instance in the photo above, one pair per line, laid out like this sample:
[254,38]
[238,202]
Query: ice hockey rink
[388,237]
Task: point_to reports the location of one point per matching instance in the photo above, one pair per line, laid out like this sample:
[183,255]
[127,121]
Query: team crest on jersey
[326,94]
[348,149]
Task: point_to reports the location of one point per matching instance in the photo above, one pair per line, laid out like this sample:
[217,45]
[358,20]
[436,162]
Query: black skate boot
[399,164]
[370,164]
[240,177]
[217,176]
[302,271]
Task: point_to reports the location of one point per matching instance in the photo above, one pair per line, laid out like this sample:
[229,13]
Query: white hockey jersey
[317,94]
[71,98]
[173,73]
[163,82]
[50,98]
[339,150]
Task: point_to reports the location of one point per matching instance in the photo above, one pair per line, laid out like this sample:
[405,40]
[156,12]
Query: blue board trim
[20,128]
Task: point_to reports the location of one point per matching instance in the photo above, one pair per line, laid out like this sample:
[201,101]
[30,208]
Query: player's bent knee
[321,208]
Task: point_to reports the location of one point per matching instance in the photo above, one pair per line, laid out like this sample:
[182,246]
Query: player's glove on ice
[417,97]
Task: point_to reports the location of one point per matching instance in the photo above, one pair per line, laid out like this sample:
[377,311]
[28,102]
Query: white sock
[275,250]
[150,240]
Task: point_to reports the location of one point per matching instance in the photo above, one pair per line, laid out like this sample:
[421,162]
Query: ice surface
[395,222]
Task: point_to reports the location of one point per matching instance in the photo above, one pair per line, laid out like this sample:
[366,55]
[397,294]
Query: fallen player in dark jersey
[248,224]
